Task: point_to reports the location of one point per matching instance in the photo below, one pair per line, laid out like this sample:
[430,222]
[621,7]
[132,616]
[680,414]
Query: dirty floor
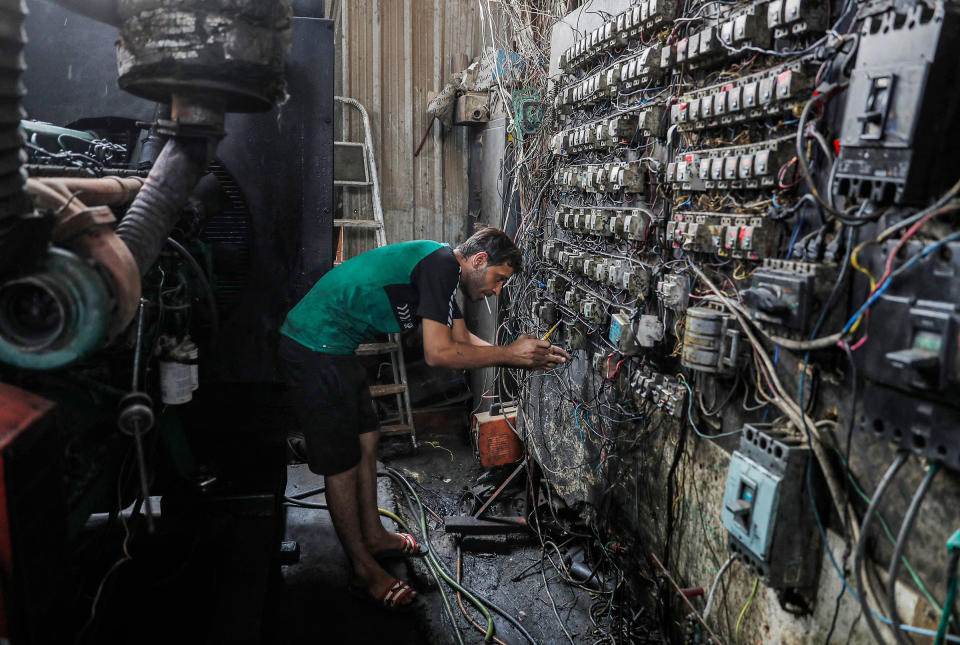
[316,607]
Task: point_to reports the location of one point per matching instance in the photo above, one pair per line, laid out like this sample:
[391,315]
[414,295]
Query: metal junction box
[472,107]
[766,509]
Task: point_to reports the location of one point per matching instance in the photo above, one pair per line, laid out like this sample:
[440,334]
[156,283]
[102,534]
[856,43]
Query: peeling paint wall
[639,498]
[394,54]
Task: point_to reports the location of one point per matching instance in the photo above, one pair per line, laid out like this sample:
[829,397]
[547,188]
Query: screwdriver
[547,335]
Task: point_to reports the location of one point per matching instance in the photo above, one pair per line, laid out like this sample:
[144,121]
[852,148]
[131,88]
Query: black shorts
[332,404]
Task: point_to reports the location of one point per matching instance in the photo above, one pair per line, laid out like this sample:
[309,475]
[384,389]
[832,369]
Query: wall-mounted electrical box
[911,361]
[472,107]
[899,126]
[766,509]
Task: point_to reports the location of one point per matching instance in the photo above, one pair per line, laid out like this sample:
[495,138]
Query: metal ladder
[393,347]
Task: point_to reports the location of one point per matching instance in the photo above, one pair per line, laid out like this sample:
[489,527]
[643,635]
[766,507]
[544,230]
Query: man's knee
[368,443]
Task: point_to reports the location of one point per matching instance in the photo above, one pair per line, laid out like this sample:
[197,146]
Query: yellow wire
[856,265]
[743,612]
[436,444]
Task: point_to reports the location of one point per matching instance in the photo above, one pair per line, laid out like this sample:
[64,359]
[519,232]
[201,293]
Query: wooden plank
[376,348]
[386,390]
[356,223]
[394,430]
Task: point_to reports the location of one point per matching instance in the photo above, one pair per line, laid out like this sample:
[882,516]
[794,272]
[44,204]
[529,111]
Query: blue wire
[576,418]
[793,239]
[879,292]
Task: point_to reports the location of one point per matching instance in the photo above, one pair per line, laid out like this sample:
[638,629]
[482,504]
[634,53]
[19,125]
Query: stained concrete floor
[316,607]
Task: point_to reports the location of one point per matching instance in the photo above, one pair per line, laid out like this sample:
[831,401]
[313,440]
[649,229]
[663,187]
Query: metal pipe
[89,233]
[99,191]
[159,204]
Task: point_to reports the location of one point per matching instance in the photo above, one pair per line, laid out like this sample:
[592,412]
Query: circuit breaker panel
[730,205]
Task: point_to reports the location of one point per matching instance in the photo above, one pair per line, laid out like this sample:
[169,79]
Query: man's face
[482,279]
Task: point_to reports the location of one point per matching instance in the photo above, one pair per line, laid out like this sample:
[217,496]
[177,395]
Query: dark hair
[498,246]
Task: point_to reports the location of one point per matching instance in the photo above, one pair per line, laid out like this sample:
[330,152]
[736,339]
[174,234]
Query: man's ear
[479,260]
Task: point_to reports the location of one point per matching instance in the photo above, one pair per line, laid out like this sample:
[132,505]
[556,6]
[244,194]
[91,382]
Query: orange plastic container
[496,443]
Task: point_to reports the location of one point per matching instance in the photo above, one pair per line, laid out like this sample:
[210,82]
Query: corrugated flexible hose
[160,202]
[13,197]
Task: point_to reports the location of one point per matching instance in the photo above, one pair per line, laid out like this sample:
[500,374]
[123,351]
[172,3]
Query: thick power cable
[479,601]
[713,587]
[861,543]
[902,537]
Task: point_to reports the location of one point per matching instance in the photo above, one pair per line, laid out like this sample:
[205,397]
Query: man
[387,290]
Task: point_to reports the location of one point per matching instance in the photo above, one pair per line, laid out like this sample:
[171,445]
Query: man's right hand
[532,353]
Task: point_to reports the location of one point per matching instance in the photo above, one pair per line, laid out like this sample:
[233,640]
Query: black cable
[207,289]
[309,493]
[836,613]
[426,538]
[808,178]
[895,559]
[898,462]
[292,501]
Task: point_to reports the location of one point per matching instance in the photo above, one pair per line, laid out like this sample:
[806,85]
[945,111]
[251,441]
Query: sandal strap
[396,594]
[409,543]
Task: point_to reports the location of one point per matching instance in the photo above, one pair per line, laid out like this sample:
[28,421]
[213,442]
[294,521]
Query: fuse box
[743,167]
[621,333]
[664,391]
[787,86]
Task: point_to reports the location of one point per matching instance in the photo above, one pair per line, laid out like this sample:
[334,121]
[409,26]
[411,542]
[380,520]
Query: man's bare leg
[375,536]
[342,498]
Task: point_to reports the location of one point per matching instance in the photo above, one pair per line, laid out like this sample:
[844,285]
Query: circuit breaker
[787,293]
[662,390]
[899,128]
[766,509]
[911,362]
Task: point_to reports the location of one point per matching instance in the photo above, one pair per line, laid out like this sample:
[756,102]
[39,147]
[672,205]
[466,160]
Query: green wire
[433,571]
[945,616]
[953,546]
[743,612]
[488,636]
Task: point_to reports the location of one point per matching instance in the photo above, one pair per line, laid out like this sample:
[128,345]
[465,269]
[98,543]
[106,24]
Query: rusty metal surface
[394,54]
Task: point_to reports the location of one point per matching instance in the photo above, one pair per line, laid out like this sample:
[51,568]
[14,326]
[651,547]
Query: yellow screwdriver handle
[547,335]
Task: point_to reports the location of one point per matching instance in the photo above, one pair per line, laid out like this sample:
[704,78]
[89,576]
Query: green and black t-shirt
[385,290]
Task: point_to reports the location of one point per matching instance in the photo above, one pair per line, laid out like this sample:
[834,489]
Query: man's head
[487,260]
